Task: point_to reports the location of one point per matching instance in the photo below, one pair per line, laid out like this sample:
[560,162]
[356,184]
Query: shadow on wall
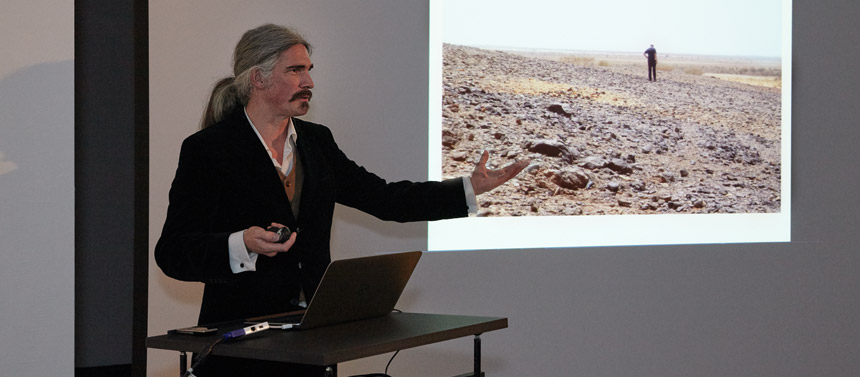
[36,118]
[36,150]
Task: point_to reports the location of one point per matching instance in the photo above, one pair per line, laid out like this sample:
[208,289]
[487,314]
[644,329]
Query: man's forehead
[296,55]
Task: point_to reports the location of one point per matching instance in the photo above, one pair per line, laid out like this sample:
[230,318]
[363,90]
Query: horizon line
[565,50]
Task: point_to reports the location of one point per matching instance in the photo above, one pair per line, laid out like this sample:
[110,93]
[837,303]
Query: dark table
[330,345]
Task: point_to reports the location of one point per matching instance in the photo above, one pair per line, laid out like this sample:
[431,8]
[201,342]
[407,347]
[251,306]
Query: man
[651,55]
[255,164]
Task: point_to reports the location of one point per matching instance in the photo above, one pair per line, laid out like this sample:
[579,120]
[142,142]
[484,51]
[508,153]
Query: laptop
[351,290]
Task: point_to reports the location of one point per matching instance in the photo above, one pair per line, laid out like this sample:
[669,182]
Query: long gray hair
[259,48]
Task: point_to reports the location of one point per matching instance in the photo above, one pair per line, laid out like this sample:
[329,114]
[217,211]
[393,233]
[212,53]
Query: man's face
[288,92]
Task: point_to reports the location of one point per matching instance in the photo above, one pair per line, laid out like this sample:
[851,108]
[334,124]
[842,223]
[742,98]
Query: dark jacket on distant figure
[651,52]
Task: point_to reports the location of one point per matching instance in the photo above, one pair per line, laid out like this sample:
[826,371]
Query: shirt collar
[285,165]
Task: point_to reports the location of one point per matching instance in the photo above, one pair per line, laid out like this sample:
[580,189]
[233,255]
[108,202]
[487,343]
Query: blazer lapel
[312,169]
[252,157]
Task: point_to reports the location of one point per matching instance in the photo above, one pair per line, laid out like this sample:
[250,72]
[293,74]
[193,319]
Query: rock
[449,139]
[560,109]
[550,148]
[619,166]
[593,163]
[613,186]
[460,156]
[572,179]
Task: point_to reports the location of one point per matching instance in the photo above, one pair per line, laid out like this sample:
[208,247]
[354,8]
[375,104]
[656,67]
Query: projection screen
[699,155]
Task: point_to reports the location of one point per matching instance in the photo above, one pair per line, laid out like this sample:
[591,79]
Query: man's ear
[257,79]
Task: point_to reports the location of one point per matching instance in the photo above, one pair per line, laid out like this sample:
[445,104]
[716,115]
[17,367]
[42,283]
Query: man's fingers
[518,166]
[513,169]
[281,247]
[263,242]
[482,162]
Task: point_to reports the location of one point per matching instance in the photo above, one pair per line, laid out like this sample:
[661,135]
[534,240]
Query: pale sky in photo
[710,27]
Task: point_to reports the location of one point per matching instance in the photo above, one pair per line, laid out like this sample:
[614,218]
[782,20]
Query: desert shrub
[760,71]
[693,71]
[665,67]
[603,63]
[577,60]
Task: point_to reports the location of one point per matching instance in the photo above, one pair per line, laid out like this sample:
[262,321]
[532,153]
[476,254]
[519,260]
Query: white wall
[785,309]
[37,193]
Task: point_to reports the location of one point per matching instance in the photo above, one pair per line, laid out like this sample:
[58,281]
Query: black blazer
[226,182]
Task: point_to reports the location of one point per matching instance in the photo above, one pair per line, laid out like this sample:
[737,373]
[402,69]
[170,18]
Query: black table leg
[183,363]
[477,356]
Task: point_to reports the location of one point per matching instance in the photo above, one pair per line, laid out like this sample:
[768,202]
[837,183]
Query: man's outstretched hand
[484,180]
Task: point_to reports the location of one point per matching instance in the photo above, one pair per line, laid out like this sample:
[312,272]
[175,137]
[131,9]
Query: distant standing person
[651,54]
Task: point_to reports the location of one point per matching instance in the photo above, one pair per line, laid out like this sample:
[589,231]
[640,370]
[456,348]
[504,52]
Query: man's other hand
[484,180]
[263,242]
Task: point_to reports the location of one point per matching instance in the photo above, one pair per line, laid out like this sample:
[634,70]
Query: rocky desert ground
[704,138]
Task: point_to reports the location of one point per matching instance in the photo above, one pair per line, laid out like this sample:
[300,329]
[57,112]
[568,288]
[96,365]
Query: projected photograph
[624,107]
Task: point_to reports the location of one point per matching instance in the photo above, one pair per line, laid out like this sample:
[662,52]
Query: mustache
[302,93]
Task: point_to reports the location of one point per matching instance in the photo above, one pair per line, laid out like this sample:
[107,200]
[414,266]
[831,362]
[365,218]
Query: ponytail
[223,100]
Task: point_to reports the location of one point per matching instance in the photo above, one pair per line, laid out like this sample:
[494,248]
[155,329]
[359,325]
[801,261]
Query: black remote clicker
[282,232]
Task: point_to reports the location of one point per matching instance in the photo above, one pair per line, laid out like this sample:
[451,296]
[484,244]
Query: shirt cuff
[240,259]
[471,199]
